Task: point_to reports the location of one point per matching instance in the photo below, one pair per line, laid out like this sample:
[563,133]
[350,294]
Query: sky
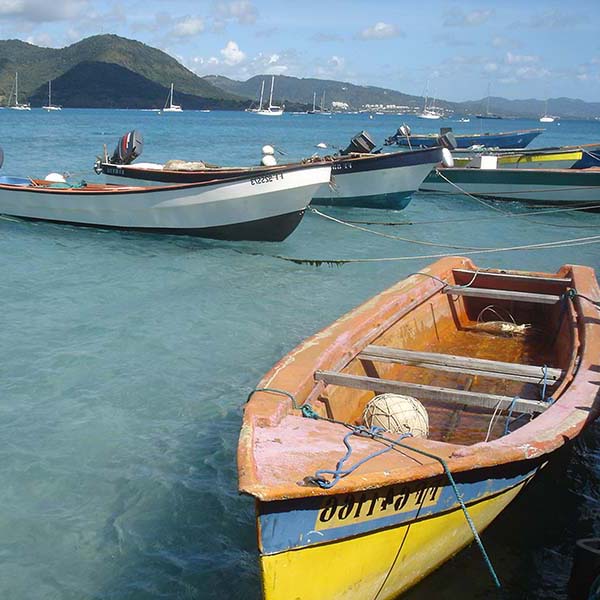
[515,48]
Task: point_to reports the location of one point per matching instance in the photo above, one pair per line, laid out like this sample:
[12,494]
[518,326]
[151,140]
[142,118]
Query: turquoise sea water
[127,359]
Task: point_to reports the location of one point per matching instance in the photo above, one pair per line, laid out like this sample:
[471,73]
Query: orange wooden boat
[506,365]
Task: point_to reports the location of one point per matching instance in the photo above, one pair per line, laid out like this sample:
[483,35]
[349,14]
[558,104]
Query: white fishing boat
[272,110]
[262,207]
[18,105]
[169,106]
[51,107]
[360,178]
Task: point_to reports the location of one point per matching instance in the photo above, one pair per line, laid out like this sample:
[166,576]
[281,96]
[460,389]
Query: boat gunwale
[101,189]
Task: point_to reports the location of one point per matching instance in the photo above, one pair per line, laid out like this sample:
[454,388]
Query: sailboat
[429,112]
[488,114]
[318,111]
[546,118]
[51,106]
[272,110]
[17,105]
[262,93]
[169,106]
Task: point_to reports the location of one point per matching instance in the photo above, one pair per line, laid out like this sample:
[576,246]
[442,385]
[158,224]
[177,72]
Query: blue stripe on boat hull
[289,524]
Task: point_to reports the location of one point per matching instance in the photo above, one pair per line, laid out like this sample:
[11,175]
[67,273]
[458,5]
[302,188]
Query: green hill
[36,66]
[105,85]
[357,96]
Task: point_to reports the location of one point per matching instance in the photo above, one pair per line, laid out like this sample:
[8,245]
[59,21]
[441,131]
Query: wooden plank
[502,295]
[558,281]
[462,364]
[449,395]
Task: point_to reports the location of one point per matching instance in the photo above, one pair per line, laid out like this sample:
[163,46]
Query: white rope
[542,246]
[392,237]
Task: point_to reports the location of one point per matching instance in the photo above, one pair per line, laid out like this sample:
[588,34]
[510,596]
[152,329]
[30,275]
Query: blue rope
[510,412]
[308,412]
[544,382]
[339,472]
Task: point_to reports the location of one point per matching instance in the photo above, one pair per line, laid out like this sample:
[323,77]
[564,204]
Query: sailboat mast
[314,101]
[323,101]
[271,95]
[262,92]
[50,93]
[171,97]
[16,88]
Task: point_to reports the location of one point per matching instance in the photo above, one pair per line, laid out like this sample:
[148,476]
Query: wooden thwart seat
[461,397]
[462,364]
[502,294]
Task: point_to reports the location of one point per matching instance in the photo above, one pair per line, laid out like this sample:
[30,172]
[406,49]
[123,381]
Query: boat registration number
[359,507]
[266,178]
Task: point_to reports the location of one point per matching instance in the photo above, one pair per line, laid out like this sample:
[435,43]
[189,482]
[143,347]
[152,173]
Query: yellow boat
[566,157]
[500,365]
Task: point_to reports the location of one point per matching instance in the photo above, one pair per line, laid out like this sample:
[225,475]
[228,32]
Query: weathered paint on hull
[378,565]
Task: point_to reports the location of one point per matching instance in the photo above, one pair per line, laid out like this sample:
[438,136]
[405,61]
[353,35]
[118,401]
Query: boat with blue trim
[382,445]
[361,177]
[505,139]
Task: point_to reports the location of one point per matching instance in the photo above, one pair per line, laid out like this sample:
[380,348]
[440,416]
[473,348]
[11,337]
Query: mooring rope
[391,237]
[492,207]
[317,262]
[506,215]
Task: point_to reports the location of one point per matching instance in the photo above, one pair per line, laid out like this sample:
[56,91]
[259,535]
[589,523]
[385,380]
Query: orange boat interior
[518,336]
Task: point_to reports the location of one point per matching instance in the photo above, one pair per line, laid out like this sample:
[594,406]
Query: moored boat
[564,157]
[499,368]
[361,178]
[544,186]
[505,139]
[263,207]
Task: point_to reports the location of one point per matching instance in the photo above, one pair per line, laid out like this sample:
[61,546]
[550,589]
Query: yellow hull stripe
[377,566]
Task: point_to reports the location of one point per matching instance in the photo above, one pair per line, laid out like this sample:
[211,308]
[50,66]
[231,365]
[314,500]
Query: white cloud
[232,55]
[380,31]
[242,11]
[42,11]
[519,59]
[188,26]
[457,18]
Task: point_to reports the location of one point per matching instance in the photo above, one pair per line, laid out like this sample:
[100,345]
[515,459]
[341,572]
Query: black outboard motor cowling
[130,146]
[360,143]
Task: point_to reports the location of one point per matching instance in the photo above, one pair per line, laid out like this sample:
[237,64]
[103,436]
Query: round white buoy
[268,149]
[397,414]
[268,160]
[447,158]
[55,178]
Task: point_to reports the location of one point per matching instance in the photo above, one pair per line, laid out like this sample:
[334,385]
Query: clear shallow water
[127,358]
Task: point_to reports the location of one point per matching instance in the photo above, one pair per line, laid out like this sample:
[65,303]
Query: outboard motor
[447,139]
[130,146]
[360,143]
[402,132]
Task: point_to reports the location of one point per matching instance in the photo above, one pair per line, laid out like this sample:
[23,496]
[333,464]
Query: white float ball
[55,178]
[397,414]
